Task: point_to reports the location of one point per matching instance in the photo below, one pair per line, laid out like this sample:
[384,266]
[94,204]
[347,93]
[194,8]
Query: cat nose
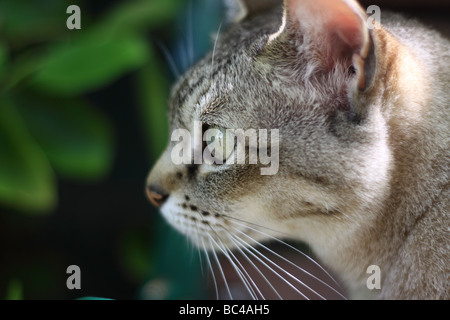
[156,196]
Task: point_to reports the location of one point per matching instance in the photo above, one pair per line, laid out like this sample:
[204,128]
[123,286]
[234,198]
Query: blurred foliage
[47,128]
[50,129]
[15,290]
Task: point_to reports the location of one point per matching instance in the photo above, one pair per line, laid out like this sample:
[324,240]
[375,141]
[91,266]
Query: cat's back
[420,138]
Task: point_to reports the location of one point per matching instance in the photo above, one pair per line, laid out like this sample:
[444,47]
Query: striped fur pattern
[364,171]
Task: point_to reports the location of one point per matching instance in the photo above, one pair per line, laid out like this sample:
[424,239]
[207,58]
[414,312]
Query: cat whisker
[200,261]
[296,266]
[214,49]
[238,247]
[198,249]
[249,225]
[211,268]
[247,279]
[239,270]
[250,250]
[192,229]
[293,264]
[239,241]
[216,258]
[169,59]
[190,34]
[183,54]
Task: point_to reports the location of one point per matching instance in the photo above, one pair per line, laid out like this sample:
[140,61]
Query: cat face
[273,71]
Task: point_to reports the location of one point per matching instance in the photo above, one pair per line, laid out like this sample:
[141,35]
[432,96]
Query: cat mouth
[206,229]
[236,241]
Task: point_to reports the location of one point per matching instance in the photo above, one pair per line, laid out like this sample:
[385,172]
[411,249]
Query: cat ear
[337,28]
[238,10]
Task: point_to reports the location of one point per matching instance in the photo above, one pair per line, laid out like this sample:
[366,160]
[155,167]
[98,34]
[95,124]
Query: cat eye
[220,144]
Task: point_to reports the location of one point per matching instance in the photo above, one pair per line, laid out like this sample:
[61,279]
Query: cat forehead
[212,84]
[233,82]
[242,92]
[232,52]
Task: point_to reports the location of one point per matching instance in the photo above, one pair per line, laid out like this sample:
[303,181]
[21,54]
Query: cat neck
[418,187]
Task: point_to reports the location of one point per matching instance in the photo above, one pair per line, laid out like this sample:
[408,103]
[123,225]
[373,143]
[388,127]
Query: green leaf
[27,182]
[18,69]
[3,57]
[32,20]
[134,248]
[15,290]
[90,63]
[154,91]
[143,14]
[77,139]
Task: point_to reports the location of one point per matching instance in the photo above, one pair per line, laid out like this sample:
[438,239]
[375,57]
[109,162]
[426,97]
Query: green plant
[48,129]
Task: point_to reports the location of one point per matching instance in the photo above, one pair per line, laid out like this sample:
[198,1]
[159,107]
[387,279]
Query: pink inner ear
[350,31]
[336,26]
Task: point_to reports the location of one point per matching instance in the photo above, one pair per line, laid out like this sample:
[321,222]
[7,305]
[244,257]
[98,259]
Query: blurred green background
[82,120]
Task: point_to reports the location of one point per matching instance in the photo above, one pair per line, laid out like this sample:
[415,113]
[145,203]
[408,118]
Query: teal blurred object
[178,273]
[94,299]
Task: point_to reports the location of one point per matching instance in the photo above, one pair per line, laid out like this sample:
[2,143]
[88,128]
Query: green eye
[220,144]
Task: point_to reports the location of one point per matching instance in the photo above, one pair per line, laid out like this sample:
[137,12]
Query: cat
[364,143]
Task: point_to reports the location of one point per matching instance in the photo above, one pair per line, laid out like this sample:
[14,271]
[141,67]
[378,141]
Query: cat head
[305,70]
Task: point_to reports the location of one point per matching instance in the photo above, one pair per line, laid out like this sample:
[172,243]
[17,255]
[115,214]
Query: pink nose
[155,197]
